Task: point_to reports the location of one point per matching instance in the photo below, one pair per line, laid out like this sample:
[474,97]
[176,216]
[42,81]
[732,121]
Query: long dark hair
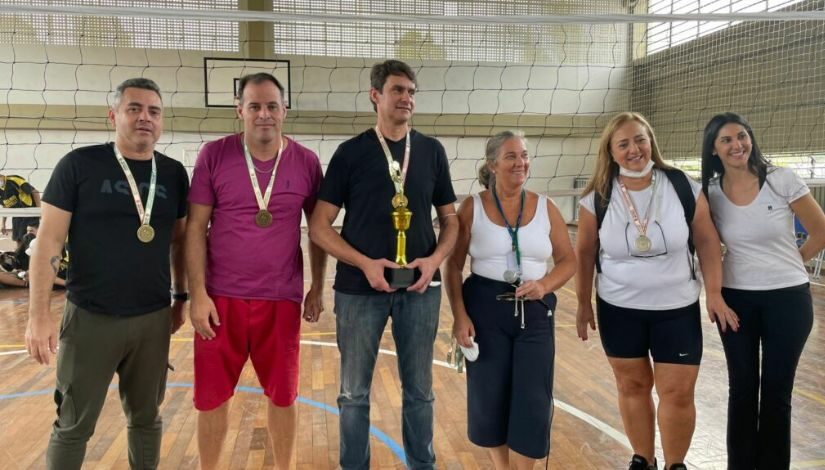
[712,164]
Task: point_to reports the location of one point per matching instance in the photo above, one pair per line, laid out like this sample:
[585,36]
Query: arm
[328,239]
[709,249]
[587,247]
[314,300]
[36,198]
[446,241]
[41,332]
[201,307]
[178,263]
[812,218]
[462,326]
[564,259]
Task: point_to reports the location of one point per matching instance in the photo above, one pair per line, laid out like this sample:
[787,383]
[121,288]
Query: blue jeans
[360,322]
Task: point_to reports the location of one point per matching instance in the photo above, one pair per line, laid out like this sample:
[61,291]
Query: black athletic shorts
[669,336]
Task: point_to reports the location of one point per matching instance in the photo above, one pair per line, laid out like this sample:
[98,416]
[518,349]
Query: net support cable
[281,16]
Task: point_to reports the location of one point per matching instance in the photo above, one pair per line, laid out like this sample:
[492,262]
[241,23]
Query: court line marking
[394,447]
[603,427]
[808,464]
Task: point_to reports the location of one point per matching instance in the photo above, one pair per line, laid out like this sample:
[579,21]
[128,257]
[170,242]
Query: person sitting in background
[14,265]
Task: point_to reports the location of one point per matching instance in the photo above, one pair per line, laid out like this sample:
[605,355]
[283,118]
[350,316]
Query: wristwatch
[182,296]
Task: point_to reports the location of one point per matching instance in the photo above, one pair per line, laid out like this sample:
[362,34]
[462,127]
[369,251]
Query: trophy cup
[403,276]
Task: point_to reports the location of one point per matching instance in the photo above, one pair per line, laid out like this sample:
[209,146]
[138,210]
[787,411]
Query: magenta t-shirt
[244,260]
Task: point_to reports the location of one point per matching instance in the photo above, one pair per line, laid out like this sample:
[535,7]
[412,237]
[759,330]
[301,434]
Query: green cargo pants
[92,348]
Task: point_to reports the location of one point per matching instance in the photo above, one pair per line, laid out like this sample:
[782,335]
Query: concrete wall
[773,73]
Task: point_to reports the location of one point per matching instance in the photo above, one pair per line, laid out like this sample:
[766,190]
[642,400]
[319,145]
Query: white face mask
[637,174]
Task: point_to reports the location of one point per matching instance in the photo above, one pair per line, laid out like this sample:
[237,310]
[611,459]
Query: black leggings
[759,431]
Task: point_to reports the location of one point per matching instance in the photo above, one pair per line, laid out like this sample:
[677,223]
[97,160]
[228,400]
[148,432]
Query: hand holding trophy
[401,277]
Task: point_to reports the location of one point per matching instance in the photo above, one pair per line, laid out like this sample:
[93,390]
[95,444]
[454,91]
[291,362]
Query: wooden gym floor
[587,430]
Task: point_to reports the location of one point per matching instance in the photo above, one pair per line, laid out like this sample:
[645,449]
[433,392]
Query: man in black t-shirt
[123,207]
[359,180]
[15,193]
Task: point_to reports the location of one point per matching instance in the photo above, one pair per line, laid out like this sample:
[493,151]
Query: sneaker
[677,466]
[637,462]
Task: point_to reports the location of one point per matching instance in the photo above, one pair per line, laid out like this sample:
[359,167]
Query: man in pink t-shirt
[246,266]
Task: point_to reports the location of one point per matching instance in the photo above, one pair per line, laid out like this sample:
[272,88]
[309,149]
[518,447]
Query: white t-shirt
[659,279]
[761,248]
[491,249]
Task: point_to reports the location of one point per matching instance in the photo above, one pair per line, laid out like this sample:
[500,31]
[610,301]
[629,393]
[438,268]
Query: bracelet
[182,296]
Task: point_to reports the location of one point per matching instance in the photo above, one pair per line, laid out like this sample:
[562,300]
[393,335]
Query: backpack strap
[684,191]
[600,205]
[680,183]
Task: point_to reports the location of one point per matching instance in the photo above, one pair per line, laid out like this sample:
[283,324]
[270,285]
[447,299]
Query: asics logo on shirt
[122,187]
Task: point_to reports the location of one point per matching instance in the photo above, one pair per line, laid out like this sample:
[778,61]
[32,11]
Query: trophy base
[401,278]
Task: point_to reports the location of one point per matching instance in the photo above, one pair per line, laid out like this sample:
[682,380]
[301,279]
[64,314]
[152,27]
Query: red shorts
[268,331]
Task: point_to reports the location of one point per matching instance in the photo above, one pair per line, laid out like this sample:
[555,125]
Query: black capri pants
[510,385]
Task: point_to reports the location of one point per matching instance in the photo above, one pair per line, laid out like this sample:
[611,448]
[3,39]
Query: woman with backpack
[638,226]
[764,279]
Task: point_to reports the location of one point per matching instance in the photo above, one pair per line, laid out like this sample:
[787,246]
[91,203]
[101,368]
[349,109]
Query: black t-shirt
[111,271]
[358,180]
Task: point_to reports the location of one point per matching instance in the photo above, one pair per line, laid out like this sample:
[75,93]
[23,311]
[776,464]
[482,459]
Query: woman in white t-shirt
[764,281]
[506,305]
[647,285]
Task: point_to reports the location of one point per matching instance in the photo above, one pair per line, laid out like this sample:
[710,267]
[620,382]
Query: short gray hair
[494,143]
[140,82]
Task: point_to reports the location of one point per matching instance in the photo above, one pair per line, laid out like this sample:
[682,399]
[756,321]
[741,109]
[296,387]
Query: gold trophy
[401,216]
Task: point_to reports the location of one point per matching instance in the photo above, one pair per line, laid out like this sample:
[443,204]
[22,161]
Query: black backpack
[680,182]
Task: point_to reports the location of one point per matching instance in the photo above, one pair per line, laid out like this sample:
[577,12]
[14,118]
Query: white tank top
[490,244]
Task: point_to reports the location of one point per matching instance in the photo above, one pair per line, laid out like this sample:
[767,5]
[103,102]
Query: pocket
[162,384]
[68,323]
[66,416]
[551,300]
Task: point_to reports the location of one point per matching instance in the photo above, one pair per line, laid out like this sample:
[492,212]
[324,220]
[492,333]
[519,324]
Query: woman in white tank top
[507,303]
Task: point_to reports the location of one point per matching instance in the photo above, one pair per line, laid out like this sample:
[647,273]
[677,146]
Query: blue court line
[377,433]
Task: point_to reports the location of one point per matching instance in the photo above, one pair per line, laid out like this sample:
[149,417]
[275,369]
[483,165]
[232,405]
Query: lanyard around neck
[398,175]
[145,215]
[263,200]
[511,230]
[641,224]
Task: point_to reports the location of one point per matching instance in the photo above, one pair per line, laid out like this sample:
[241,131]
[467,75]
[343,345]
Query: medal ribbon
[641,225]
[144,215]
[397,176]
[263,201]
[513,231]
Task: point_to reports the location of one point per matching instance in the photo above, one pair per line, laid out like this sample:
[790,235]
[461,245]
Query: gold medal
[145,233]
[643,243]
[399,200]
[263,218]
